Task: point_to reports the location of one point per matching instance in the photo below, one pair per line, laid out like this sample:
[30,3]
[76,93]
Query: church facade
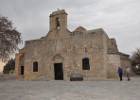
[63,55]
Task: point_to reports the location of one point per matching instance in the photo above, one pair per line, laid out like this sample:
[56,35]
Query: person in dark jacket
[120,73]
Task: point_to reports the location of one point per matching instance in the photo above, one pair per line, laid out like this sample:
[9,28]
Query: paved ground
[63,90]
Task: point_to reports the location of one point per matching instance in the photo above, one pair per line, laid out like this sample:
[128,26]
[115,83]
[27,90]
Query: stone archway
[58,61]
[58,58]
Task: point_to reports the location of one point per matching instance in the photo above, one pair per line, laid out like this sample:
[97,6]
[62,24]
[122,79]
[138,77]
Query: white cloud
[119,18]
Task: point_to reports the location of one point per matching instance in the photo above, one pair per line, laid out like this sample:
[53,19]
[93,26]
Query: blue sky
[119,18]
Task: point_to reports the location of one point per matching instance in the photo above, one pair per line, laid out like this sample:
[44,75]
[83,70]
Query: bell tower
[58,20]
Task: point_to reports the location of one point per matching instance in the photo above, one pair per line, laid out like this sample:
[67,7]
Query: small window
[85,64]
[58,23]
[35,66]
[22,70]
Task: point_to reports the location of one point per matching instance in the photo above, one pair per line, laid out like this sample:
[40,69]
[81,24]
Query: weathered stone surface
[69,48]
[1,66]
[67,90]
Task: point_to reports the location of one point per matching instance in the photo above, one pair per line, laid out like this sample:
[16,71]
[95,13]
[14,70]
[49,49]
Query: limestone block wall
[72,51]
[1,66]
[112,46]
[126,62]
[113,64]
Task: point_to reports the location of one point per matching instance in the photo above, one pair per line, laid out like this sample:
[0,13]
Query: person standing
[128,73]
[120,73]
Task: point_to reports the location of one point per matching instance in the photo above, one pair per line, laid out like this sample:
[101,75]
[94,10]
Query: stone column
[17,64]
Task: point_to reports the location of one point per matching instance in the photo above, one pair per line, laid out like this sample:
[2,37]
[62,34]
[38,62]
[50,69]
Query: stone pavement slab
[66,90]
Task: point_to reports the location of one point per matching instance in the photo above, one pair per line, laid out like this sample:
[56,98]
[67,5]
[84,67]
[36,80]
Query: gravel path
[65,90]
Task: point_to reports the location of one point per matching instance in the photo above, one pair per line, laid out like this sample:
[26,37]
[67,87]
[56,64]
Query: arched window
[22,70]
[85,64]
[58,23]
[35,66]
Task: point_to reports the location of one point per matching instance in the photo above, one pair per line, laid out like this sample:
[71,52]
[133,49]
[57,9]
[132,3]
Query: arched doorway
[58,71]
[58,67]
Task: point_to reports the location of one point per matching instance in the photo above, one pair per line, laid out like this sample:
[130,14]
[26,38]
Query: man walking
[120,73]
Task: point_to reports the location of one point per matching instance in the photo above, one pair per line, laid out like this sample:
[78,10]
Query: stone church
[65,55]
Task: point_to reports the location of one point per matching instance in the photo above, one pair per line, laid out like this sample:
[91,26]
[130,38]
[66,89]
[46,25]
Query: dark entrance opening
[22,70]
[58,71]
[85,63]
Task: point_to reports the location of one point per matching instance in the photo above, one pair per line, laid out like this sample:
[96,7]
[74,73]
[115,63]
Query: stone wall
[113,64]
[69,48]
[1,66]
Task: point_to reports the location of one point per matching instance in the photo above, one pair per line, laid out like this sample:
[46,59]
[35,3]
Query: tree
[10,66]
[9,38]
[136,61]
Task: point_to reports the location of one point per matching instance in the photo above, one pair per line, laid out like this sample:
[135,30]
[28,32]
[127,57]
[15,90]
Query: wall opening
[85,64]
[57,23]
[22,70]
[35,66]
[58,71]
